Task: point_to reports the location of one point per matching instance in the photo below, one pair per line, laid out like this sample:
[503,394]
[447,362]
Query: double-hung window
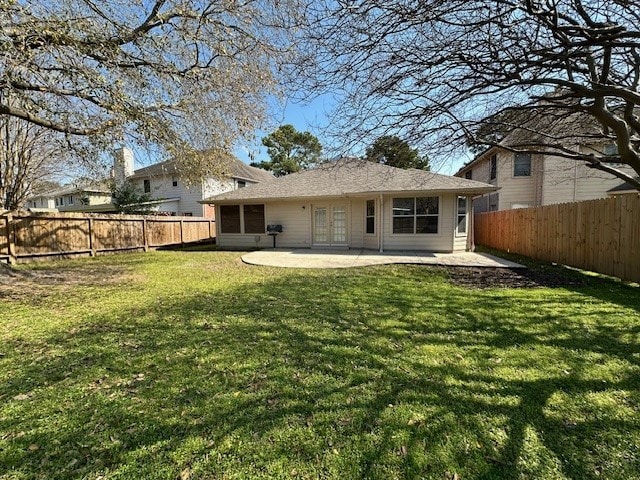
[611,150]
[416,215]
[522,165]
[461,225]
[493,167]
[370,217]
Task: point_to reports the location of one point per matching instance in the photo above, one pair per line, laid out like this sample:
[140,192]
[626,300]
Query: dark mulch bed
[547,276]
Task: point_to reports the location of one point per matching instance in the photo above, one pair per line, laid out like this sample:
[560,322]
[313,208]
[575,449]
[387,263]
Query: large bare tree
[549,74]
[181,75]
[31,157]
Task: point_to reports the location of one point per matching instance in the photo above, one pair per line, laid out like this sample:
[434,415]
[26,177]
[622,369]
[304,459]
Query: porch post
[471,246]
[381,230]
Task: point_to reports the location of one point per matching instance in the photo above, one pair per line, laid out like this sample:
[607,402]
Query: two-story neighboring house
[527,180]
[90,197]
[170,194]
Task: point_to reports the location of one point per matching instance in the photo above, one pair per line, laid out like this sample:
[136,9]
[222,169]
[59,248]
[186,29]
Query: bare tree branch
[175,74]
[442,73]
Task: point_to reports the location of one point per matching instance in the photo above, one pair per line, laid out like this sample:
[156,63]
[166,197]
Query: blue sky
[312,117]
[305,117]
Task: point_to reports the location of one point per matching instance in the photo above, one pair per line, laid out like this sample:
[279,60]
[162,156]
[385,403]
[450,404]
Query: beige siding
[357,223]
[212,186]
[371,241]
[296,226]
[162,187]
[537,171]
[440,242]
[481,170]
[513,190]
[295,218]
[568,181]
[98,199]
[94,199]
[553,180]
[237,240]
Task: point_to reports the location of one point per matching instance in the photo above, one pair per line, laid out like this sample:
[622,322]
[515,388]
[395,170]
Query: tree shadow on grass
[350,375]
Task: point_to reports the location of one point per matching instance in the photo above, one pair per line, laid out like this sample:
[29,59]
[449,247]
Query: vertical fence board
[4,235]
[599,235]
[26,235]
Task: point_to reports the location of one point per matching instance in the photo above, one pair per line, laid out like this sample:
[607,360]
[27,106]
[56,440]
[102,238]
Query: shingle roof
[235,169]
[247,172]
[542,126]
[101,186]
[167,167]
[623,187]
[352,177]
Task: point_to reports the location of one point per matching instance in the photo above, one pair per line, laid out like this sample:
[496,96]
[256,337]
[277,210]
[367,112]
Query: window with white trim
[611,150]
[462,215]
[522,165]
[370,217]
[493,167]
[417,215]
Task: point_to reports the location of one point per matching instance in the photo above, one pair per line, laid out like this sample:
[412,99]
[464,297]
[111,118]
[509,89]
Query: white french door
[330,225]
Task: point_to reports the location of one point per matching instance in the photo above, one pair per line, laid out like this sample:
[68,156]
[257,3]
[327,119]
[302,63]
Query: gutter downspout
[381,223]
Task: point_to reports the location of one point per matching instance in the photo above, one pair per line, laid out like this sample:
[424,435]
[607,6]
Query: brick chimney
[122,165]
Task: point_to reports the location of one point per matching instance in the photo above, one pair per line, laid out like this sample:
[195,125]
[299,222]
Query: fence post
[145,233]
[181,232]
[11,239]
[92,243]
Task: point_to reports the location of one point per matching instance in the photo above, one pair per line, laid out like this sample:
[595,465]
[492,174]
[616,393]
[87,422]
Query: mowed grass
[192,365]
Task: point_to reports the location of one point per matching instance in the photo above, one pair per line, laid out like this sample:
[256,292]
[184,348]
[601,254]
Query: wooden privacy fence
[598,235]
[25,236]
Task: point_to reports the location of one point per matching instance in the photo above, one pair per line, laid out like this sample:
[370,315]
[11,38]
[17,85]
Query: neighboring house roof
[352,177]
[243,171]
[94,187]
[623,187]
[167,167]
[544,125]
[235,169]
[475,160]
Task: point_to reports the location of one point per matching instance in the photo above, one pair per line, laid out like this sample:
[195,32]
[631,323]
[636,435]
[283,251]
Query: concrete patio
[325,258]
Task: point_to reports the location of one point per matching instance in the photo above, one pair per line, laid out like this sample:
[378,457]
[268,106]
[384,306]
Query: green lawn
[189,365]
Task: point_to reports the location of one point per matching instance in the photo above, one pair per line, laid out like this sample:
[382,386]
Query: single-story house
[351,204]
